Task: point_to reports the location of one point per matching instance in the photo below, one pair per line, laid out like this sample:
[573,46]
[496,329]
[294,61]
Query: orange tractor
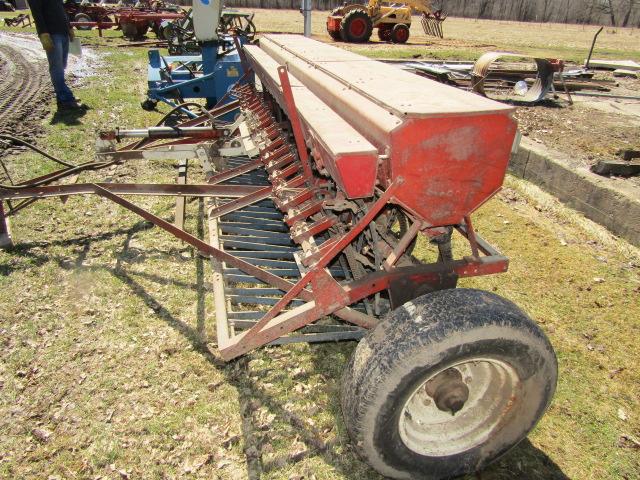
[355,22]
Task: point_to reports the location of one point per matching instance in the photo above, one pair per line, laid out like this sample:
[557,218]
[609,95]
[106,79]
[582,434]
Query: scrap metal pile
[510,76]
[334,167]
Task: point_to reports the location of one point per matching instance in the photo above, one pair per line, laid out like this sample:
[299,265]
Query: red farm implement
[317,195]
[134,22]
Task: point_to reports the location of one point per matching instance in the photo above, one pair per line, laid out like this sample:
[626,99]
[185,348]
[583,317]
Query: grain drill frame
[317,194]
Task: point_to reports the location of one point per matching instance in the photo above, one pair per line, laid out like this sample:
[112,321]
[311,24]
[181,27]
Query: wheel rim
[402,35]
[493,394]
[358,27]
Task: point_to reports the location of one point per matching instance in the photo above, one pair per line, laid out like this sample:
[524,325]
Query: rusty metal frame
[292,188]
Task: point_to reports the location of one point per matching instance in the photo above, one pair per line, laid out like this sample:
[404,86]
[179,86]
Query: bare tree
[546,10]
[483,7]
[606,7]
[631,4]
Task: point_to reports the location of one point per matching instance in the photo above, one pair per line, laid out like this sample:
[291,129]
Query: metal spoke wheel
[446,384]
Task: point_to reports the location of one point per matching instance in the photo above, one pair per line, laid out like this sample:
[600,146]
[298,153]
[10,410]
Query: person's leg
[65,50]
[57,62]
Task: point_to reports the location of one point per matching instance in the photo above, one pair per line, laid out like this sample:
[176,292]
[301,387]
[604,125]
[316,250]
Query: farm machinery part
[84,15]
[21,20]
[181,38]
[7,6]
[355,22]
[317,193]
[134,22]
[172,79]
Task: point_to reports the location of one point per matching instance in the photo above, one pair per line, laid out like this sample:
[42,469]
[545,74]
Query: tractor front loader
[355,22]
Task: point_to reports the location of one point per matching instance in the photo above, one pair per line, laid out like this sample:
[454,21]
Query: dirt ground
[25,87]
[590,130]
[24,90]
[108,368]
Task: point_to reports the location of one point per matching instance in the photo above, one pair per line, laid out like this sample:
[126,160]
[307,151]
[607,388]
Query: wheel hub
[448,391]
[358,27]
[459,407]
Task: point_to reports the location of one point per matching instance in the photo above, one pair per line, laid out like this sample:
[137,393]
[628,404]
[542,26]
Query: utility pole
[306,13]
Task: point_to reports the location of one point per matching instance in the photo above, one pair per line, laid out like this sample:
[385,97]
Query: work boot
[72,106]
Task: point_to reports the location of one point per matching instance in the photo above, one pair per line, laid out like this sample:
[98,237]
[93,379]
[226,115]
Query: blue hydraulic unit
[210,75]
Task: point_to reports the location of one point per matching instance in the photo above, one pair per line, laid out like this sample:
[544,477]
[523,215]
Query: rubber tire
[349,18]
[419,339]
[334,35]
[82,17]
[131,32]
[400,33]
[384,34]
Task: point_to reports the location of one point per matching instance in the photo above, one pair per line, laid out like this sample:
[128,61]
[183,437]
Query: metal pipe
[605,95]
[193,190]
[306,14]
[593,44]
[164,132]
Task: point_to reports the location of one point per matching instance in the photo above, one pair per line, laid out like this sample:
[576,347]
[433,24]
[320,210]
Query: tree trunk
[612,13]
[630,5]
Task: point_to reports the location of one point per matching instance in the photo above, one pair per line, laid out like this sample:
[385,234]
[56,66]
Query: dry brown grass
[464,38]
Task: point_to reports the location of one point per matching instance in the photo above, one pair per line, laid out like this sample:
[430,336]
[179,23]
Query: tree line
[619,13]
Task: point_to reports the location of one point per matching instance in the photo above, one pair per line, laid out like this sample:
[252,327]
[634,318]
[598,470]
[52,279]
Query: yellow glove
[72,35]
[46,41]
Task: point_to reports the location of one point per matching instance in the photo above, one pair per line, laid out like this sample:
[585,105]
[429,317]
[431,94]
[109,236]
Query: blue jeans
[57,63]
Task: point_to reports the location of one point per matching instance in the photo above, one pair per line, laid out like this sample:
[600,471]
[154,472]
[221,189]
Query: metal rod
[403,244]
[471,236]
[5,232]
[167,132]
[260,194]
[593,44]
[234,172]
[194,190]
[292,111]
[180,200]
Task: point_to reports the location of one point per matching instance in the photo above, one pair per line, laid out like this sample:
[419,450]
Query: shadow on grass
[523,462]
[68,117]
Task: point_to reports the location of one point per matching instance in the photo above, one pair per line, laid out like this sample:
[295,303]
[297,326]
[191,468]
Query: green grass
[102,336]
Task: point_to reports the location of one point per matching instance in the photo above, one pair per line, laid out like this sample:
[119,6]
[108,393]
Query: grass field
[107,369]
[465,38]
